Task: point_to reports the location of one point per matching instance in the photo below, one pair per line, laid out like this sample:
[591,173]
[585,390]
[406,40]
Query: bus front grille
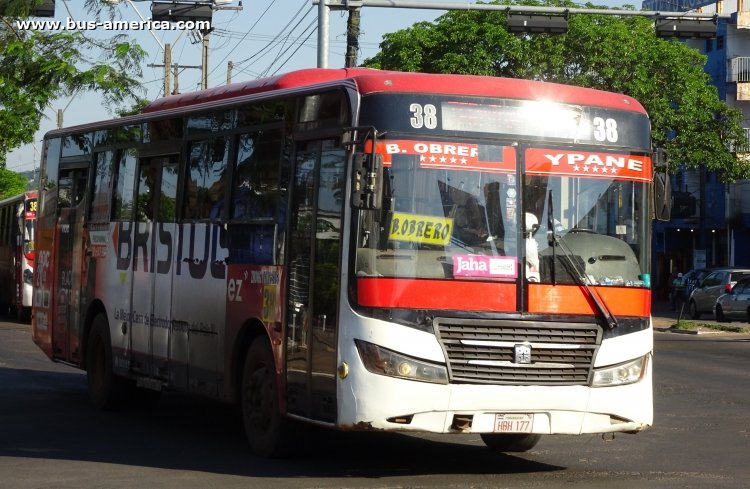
[515,352]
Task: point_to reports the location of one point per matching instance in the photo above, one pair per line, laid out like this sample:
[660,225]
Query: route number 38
[605,129]
[423,116]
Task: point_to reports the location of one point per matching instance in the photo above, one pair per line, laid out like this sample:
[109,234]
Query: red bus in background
[17,226]
[361,249]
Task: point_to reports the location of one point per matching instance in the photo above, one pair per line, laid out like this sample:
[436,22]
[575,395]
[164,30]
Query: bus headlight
[28,275]
[622,374]
[387,362]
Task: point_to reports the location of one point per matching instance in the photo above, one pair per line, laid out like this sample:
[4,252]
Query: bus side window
[100,202]
[255,191]
[147,180]
[205,182]
[123,198]
[257,216]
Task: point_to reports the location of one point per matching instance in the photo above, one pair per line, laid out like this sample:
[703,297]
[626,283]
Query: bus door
[153,256]
[69,230]
[313,284]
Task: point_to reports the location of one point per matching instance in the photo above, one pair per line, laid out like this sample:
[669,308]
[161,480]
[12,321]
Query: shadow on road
[187,433]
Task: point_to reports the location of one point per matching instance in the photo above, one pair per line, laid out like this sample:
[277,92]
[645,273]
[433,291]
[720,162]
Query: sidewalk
[664,317]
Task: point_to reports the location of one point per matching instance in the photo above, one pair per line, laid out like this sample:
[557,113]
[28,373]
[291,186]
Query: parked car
[735,304]
[718,282]
[683,286]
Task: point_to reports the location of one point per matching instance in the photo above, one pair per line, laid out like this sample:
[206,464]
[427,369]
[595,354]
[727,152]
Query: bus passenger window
[255,191]
[204,186]
[146,188]
[100,200]
[122,205]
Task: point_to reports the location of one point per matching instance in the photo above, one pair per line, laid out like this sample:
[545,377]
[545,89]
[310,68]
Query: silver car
[720,281]
[735,304]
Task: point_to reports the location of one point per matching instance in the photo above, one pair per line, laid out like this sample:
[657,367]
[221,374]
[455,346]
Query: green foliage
[619,54]
[37,67]
[683,325]
[136,108]
[11,183]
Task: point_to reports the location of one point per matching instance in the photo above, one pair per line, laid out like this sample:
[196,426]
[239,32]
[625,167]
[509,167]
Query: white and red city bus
[17,223]
[360,249]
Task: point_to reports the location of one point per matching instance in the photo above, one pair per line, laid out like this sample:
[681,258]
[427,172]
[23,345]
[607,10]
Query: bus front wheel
[265,427]
[104,388]
[510,442]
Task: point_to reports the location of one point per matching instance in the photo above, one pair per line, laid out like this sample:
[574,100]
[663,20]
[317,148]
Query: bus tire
[266,428]
[103,386]
[511,442]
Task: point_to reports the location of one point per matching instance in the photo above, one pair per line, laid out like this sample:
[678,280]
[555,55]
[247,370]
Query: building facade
[710,223]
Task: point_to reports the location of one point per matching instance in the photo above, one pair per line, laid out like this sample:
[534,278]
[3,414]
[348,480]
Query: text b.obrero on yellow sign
[417,228]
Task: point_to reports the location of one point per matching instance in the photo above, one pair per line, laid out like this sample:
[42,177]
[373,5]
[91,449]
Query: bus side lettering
[131,245]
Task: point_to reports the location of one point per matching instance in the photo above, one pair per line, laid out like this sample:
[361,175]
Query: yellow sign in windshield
[417,228]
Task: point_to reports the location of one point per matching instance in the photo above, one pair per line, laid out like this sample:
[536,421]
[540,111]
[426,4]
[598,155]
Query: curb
[697,331]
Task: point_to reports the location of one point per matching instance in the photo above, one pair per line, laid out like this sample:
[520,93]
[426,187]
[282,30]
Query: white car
[720,281]
[735,304]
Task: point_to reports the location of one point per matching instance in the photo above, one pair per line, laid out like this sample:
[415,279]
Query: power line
[243,38]
[276,37]
[310,27]
[295,51]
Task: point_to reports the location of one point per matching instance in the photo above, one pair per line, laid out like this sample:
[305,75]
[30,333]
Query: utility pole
[167,68]
[204,61]
[172,70]
[352,38]
[324,27]
[176,74]
[230,65]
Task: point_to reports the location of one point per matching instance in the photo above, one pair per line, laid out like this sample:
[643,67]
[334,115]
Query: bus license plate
[514,423]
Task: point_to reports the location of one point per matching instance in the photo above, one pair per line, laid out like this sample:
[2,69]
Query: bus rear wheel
[266,428]
[510,442]
[105,390]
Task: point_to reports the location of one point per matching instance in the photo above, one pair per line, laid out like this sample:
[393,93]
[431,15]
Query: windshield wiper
[578,275]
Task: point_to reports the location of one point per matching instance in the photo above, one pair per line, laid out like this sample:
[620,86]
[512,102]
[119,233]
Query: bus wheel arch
[104,387]
[266,427]
[95,308]
[250,330]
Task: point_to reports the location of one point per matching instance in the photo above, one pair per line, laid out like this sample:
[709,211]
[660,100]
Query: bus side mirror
[662,186]
[367,178]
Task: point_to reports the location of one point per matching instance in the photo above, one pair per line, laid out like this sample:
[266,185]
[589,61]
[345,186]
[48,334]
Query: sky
[262,38]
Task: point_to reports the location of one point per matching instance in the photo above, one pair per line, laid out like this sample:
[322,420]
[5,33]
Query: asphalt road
[51,437]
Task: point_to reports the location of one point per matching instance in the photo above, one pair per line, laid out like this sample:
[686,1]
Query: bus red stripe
[573,299]
[498,296]
[436,294]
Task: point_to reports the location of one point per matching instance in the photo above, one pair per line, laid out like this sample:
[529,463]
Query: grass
[694,326]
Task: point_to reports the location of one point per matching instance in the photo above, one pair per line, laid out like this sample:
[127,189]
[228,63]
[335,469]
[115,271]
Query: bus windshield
[457,210]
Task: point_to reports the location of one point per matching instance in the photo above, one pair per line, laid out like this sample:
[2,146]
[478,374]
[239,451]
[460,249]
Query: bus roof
[372,81]
[29,194]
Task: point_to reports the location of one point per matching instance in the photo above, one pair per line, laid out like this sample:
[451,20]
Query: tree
[619,54]
[37,67]
[11,183]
